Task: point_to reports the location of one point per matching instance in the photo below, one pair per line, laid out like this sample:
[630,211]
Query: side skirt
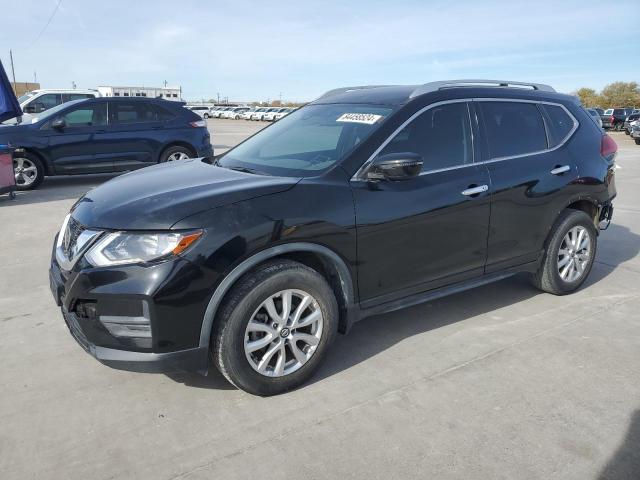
[430,295]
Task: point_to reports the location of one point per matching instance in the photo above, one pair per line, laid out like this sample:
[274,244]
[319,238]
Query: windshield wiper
[246,170]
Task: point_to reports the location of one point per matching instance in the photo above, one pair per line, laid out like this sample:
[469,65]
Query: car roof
[395,95]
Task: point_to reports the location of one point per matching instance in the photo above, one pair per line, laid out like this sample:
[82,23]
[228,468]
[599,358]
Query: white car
[204,112]
[247,115]
[259,115]
[217,112]
[38,101]
[257,112]
[234,113]
[270,116]
[283,113]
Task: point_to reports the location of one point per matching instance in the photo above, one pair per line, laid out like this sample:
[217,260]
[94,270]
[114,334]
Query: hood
[157,197]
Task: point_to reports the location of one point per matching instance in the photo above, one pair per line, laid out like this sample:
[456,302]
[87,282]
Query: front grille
[70,239]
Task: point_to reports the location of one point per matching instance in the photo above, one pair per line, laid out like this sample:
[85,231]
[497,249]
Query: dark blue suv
[104,135]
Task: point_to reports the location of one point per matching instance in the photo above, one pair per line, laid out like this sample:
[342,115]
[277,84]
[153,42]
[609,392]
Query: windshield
[307,141]
[25,97]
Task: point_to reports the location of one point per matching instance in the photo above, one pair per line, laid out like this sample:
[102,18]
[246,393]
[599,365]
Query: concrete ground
[502,382]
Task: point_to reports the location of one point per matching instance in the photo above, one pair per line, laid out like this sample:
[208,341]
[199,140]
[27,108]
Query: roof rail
[336,91]
[435,86]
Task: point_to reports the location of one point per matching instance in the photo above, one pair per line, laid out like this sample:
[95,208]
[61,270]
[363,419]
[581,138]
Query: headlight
[119,248]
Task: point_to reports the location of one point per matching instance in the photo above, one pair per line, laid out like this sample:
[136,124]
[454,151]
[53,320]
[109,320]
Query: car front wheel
[28,170]
[275,328]
[569,255]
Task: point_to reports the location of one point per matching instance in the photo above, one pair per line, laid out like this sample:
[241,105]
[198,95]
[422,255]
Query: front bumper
[190,360]
[168,294]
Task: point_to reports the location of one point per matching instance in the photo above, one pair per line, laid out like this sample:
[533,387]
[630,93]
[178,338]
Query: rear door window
[124,113]
[559,123]
[513,128]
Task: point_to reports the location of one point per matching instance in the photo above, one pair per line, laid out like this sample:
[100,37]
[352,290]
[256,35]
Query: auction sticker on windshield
[368,118]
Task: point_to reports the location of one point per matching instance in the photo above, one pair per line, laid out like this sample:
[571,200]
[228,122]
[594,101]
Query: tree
[621,94]
[589,97]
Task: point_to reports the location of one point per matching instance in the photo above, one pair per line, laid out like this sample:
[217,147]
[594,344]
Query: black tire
[548,278]
[168,152]
[618,127]
[206,116]
[244,299]
[627,132]
[637,140]
[30,159]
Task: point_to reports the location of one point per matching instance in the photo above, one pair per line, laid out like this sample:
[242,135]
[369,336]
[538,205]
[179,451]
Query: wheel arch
[322,259]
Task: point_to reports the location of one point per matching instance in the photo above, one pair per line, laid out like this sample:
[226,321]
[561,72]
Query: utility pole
[13,72]
[35,77]
[218,94]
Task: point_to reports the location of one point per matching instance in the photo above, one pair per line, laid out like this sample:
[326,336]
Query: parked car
[283,113]
[613,118]
[247,115]
[235,113]
[201,110]
[628,120]
[595,115]
[367,200]
[259,114]
[270,115]
[217,113]
[104,135]
[635,131]
[38,101]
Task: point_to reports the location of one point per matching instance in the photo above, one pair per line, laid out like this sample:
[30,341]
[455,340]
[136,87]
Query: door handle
[475,190]
[560,170]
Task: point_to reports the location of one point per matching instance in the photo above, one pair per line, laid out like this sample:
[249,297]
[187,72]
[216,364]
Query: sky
[250,50]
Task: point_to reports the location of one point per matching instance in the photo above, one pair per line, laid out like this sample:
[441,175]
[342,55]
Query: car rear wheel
[28,169]
[637,140]
[569,255]
[172,154]
[275,328]
[206,116]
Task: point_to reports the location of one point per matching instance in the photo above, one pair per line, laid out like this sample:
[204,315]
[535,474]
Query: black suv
[102,135]
[613,118]
[367,200]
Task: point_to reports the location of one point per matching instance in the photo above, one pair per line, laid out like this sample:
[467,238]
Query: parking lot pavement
[501,382]
[227,133]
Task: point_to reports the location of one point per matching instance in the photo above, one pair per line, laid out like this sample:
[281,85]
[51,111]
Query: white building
[168,93]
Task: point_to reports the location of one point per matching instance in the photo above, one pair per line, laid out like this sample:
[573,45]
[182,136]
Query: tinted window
[513,128]
[67,97]
[559,123]
[441,136]
[87,116]
[136,112]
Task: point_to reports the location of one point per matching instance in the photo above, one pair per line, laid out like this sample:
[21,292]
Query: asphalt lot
[502,382]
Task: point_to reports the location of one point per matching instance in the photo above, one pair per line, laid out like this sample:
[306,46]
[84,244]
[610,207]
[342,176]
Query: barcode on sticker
[368,118]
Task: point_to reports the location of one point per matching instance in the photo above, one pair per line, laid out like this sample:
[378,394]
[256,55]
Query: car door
[430,230]
[134,134]
[531,173]
[72,147]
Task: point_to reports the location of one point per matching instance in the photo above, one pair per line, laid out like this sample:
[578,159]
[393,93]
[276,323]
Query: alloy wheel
[283,333]
[177,156]
[25,171]
[574,254]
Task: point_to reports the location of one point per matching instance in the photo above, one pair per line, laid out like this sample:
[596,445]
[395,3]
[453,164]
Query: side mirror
[395,166]
[58,124]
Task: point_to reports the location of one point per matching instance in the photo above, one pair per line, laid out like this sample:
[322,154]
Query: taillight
[608,147]
[198,124]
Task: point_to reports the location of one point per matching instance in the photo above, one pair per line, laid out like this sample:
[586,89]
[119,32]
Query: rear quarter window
[559,123]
